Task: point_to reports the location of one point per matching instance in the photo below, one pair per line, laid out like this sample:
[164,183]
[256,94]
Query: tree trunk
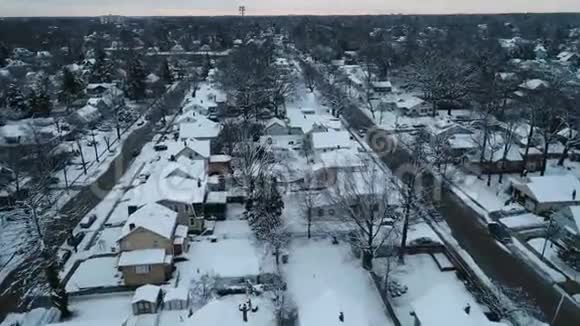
[309,226]
[367,259]
[564,155]
[434,112]
[484,145]
[405,231]
[527,151]
[489,178]
[545,157]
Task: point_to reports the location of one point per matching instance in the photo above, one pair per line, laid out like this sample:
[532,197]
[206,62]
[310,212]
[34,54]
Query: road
[498,264]
[19,282]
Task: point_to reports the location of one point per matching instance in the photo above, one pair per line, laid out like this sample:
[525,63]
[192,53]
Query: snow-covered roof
[99,85]
[181,231]
[534,84]
[382,84]
[201,147]
[180,293]
[202,128]
[445,304]
[409,102]
[565,56]
[152,78]
[274,121]
[152,217]
[342,158]
[568,133]
[550,189]
[331,139]
[87,114]
[147,293]
[217,197]
[462,141]
[220,158]
[142,257]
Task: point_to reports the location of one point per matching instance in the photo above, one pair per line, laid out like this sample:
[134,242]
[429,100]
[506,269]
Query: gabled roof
[551,189]
[201,128]
[274,121]
[201,147]
[152,217]
[179,293]
[147,293]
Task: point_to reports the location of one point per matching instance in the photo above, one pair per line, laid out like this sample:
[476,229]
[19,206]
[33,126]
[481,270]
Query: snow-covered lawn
[106,309]
[107,240]
[420,274]
[551,254]
[95,272]
[492,198]
[327,279]
[225,312]
[234,254]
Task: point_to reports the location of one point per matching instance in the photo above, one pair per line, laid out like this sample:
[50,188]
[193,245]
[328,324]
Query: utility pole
[242,10]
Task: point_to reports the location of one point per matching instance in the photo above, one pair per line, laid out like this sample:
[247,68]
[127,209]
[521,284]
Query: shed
[146,299]
[176,299]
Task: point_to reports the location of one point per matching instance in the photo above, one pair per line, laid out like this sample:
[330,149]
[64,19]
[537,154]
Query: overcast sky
[275,7]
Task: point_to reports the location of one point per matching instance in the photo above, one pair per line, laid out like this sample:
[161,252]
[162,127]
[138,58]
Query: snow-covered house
[568,221]
[147,266]
[192,149]
[201,129]
[542,195]
[568,57]
[147,300]
[382,88]
[275,127]
[330,141]
[149,227]
[85,116]
[99,89]
[533,84]
[176,298]
[413,106]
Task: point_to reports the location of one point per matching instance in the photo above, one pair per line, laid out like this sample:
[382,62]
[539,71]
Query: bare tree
[363,199]
[442,78]
[570,135]
[511,122]
[202,289]
[511,303]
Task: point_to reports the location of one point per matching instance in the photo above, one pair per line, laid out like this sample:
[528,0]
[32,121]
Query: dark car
[64,257]
[160,147]
[499,232]
[76,239]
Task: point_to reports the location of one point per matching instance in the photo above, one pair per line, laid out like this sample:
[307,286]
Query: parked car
[64,256]
[76,239]
[88,221]
[499,232]
[160,147]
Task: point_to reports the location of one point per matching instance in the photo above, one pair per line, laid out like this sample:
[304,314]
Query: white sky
[276,7]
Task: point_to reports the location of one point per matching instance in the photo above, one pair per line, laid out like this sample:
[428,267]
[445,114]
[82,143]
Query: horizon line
[305,15]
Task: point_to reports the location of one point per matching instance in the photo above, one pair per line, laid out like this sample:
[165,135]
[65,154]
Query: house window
[320,212]
[331,212]
[142,269]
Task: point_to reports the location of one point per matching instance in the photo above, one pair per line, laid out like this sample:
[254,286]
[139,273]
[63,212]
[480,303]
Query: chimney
[185,142]
[574,194]
[131,226]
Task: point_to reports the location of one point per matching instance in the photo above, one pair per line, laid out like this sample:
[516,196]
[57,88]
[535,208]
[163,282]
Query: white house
[413,106]
[548,193]
[176,298]
[201,129]
[275,127]
[381,88]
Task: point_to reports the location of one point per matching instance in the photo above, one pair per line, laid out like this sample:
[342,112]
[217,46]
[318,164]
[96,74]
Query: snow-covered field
[420,274]
[325,279]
